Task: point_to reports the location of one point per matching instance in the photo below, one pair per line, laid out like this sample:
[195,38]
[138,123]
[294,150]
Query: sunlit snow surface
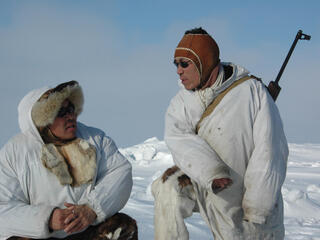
[301,190]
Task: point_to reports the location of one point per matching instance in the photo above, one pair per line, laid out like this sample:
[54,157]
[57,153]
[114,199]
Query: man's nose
[179,70]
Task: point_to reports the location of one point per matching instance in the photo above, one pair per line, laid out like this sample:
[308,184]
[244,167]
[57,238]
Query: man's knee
[118,227]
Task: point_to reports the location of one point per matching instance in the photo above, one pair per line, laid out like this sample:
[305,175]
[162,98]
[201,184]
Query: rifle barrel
[273,87]
[298,36]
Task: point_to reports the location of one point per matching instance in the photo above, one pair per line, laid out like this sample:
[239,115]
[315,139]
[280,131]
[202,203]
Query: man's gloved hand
[183,180]
[220,184]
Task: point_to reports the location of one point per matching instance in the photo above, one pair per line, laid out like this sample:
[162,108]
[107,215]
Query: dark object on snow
[273,87]
[120,227]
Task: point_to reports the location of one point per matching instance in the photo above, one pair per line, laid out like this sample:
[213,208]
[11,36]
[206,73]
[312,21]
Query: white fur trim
[81,157]
[171,205]
[82,160]
[45,111]
[52,159]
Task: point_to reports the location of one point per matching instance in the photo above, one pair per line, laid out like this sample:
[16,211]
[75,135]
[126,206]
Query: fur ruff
[45,110]
[73,163]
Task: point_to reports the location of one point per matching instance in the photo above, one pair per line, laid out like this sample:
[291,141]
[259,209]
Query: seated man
[60,178]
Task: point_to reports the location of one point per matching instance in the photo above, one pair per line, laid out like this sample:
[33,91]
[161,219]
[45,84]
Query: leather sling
[218,99]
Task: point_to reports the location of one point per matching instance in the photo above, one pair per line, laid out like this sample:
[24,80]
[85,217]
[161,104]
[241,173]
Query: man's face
[188,73]
[65,124]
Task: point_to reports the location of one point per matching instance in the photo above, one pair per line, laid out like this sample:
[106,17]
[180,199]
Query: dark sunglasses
[66,110]
[183,64]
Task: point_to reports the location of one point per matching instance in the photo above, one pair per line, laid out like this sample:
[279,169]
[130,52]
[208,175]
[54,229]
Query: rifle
[273,87]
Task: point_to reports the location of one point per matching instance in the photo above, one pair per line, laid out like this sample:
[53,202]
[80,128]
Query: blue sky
[121,53]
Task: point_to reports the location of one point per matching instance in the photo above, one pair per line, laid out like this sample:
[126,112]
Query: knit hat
[45,110]
[202,50]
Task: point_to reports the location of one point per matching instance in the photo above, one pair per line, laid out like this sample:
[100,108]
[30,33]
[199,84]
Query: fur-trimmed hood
[24,111]
[40,106]
[45,110]
[74,163]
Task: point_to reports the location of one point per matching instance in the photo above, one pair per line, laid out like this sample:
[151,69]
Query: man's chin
[187,87]
[70,133]
[184,84]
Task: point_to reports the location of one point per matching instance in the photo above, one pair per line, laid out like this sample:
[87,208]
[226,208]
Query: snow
[301,190]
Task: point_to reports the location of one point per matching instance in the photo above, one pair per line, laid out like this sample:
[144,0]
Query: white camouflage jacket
[244,134]
[29,192]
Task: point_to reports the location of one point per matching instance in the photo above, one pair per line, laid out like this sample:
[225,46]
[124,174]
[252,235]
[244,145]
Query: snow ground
[301,190]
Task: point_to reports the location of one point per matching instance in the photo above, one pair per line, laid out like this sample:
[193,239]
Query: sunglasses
[66,110]
[183,64]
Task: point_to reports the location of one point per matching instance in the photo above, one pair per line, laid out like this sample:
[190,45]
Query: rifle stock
[273,87]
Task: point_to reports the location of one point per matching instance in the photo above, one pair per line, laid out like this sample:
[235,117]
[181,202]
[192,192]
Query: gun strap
[218,99]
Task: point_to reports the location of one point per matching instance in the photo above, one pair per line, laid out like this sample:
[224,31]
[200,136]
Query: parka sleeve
[17,216]
[191,153]
[113,183]
[267,165]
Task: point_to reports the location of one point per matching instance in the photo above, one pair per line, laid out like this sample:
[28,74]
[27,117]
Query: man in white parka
[230,165]
[60,179]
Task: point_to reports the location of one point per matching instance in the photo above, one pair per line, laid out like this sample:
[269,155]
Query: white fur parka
[29,191]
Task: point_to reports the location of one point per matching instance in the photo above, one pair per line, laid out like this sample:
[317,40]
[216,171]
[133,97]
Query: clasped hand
[73,218]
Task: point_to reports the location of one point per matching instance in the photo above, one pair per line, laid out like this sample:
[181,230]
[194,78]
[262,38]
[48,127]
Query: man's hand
[58,217]
[80,218]
[220,184]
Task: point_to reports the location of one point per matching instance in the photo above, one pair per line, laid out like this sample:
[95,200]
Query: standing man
[226,137]
[60,178]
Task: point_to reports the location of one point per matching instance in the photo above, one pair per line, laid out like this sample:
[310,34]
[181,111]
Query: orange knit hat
[202,50]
